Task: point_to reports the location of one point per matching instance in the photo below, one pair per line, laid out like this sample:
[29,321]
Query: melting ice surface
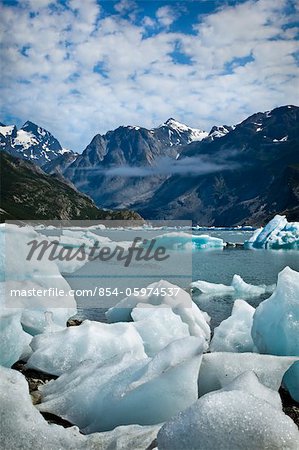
[243,415]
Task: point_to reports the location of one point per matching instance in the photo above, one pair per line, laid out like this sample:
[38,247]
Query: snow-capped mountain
[219,131]
[30,142]
[179,133]
[263,179]
[122,149]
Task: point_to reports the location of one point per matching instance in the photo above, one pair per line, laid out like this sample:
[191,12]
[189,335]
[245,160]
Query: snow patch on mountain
[194,134]
[219,131]
[31,142]
[6,130]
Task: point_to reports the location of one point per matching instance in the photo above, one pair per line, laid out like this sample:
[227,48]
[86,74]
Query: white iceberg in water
[100,397]
[238,287]
[176,298]
[243,416]
[234,333]
[277,234]
[23,427]
[181,240]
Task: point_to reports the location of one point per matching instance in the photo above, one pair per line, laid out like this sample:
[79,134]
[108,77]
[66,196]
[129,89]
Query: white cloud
[166,15]
[49,60]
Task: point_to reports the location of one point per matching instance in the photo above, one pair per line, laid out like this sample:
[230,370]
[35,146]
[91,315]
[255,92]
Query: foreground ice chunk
[61,351]
[149,391]
[128,437]
[14,340]
[180,302]
[278,233]
[275,328]
[234,333]
[233,418]
[23,427]
[238,287]
[185,241]
[158,327]
[35,308]
[219,369]
[24,275]
[249,382]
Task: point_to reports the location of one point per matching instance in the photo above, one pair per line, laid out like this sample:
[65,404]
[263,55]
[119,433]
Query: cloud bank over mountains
[78,68]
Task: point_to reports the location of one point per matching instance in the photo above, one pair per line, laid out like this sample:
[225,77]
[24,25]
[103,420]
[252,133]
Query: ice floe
[238,287]
[186,241]
[277,234]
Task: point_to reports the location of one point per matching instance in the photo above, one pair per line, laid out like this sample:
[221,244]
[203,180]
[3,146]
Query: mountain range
[233,175]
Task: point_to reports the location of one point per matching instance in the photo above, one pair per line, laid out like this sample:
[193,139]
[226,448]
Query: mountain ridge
[249,161]
[31,143]
[27,193]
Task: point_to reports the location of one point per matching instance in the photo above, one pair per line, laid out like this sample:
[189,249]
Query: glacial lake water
[217,266]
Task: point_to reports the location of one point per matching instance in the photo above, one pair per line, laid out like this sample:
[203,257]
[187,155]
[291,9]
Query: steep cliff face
[263,180]
[28,193]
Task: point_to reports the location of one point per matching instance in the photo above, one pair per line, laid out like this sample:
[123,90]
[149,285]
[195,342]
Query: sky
[82,67]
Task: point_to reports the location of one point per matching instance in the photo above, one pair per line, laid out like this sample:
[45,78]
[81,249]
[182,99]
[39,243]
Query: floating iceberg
[64,350]
[23,427]
[186,241]
[234,334]
[275,328]
[99,397]
[238,287]
[179,301]
[219,369]
[242,416]
[277,234]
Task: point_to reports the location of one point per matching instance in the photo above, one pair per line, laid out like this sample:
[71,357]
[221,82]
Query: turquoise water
[219,266]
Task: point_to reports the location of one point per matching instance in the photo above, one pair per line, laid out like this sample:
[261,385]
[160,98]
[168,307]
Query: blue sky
[79,68]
